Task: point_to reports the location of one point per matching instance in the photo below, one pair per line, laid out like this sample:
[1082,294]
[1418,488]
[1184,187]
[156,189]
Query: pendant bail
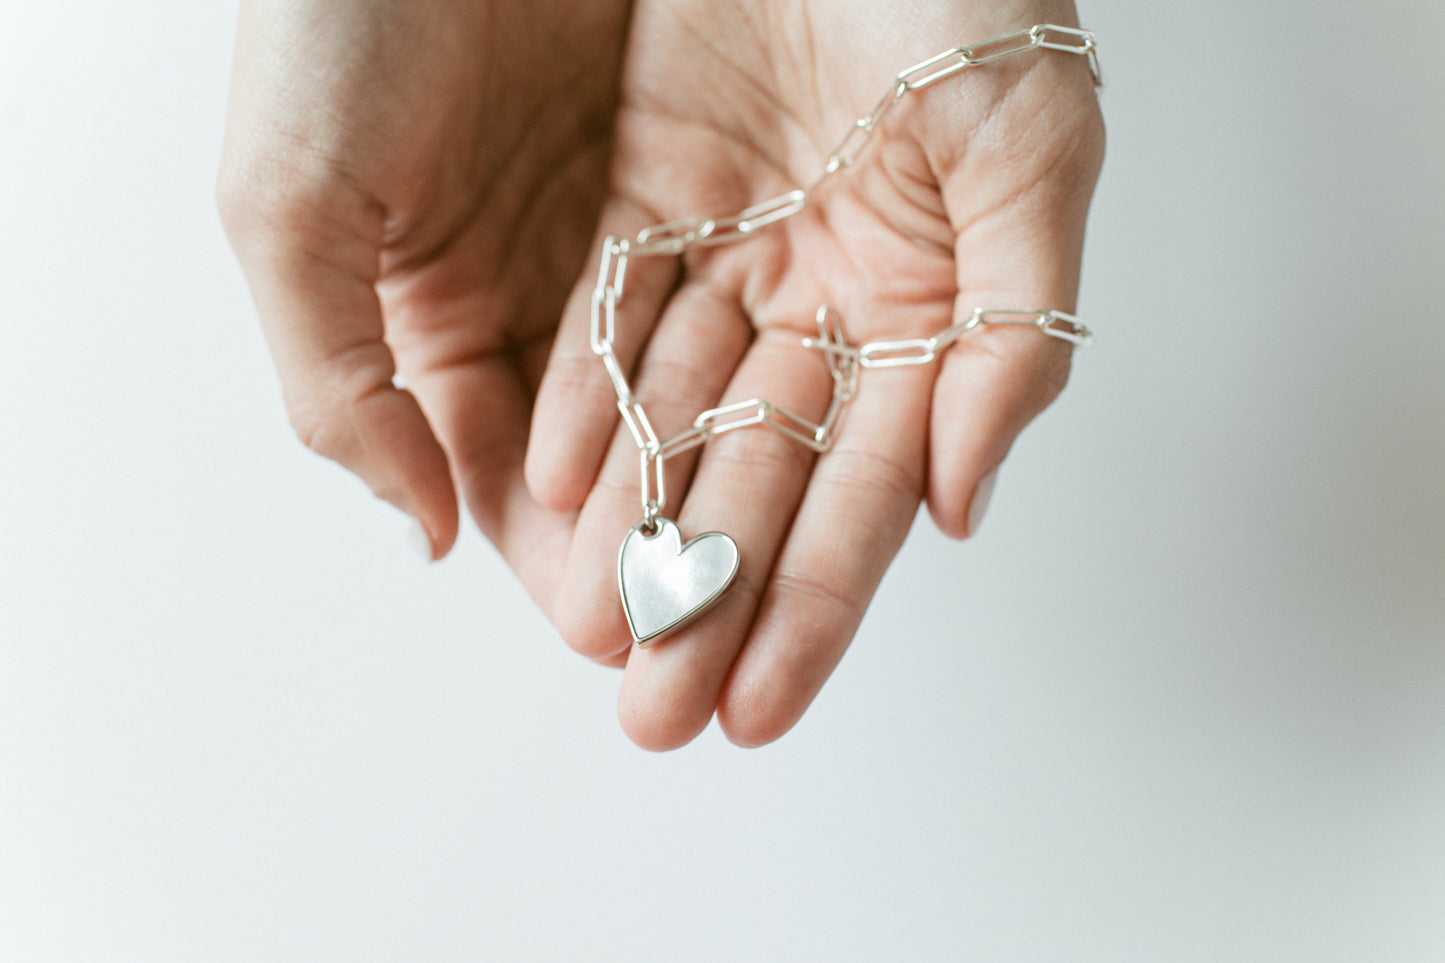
[654,488]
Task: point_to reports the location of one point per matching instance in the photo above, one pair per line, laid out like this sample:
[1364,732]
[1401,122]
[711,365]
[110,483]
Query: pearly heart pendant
[666,584]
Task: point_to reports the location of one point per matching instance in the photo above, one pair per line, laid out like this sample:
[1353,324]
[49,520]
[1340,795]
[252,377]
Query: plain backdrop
[1182,699]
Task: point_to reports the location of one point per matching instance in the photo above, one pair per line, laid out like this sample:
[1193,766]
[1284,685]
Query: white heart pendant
[666,584]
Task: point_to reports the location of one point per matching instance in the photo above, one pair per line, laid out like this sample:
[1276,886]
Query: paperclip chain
[844,360]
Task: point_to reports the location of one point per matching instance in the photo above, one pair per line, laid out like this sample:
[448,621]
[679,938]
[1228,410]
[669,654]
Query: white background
[1183,699]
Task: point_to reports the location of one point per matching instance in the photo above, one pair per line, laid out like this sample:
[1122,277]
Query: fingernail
[419,541]
[979,505]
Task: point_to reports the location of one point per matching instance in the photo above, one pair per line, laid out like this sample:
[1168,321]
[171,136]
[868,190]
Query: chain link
[844,360]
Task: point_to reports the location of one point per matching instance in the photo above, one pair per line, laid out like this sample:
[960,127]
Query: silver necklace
[665,582]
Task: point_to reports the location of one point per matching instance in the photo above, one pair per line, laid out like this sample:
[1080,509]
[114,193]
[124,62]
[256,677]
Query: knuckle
[1089,139]
[1045,376]
[313,426]
[815,590]
[1030,369]
[756,453]
[236,185]
[663,374]
[1054,374]
[873,474]
[622,488]
[261,197]
[249,198]
[573,374]
[232,199]
[324,407]
[1042,376]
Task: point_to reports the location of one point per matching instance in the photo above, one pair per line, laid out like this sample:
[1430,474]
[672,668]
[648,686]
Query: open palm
[973,194]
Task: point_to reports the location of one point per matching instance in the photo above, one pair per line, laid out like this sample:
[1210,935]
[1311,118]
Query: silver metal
[664,582]
[885,104]
[842,358]
[848,148]
[725,230]
[635,417]
[801,430]
[1068,39]
[933,69]
[1001,47]
[672,237]
[1055,324]
[619,380]
[654,486]
[692,438]
[1072,40]
[897,354]
[744,414]
[1008,316]
[1075,332]
[611,275]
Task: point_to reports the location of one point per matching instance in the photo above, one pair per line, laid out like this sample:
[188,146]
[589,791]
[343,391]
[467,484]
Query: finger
[989,389]
[481,408]
[859,506]
[697,345]
[576,410]
[1024,253]
[314,291]
[748,485]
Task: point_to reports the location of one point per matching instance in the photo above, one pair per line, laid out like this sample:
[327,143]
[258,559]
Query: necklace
[665,582]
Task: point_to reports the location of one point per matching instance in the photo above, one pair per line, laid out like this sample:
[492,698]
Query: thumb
[1019,199]
[315,293]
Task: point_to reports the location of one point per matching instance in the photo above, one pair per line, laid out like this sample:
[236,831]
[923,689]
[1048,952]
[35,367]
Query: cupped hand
[412,186]
[973,193]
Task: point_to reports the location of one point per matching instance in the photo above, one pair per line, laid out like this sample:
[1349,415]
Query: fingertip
[436,510]
[947,517]
[978,504]
[785,665]
[419,541]
[422,543]
[386,441]
[431,540]
[750,724]
[436,542]
[958,511]
[659,724]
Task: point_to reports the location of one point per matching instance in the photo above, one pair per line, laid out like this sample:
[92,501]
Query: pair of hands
[420,187]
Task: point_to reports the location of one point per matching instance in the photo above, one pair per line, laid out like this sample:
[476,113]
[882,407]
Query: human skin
[426,234]
[412,187]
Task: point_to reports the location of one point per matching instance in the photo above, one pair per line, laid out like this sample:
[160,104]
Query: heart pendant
[666,584]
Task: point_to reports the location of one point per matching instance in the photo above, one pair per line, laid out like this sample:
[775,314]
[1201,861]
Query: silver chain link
[844,360]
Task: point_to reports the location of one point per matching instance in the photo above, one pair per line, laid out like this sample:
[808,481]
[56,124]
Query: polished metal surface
[666,584]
